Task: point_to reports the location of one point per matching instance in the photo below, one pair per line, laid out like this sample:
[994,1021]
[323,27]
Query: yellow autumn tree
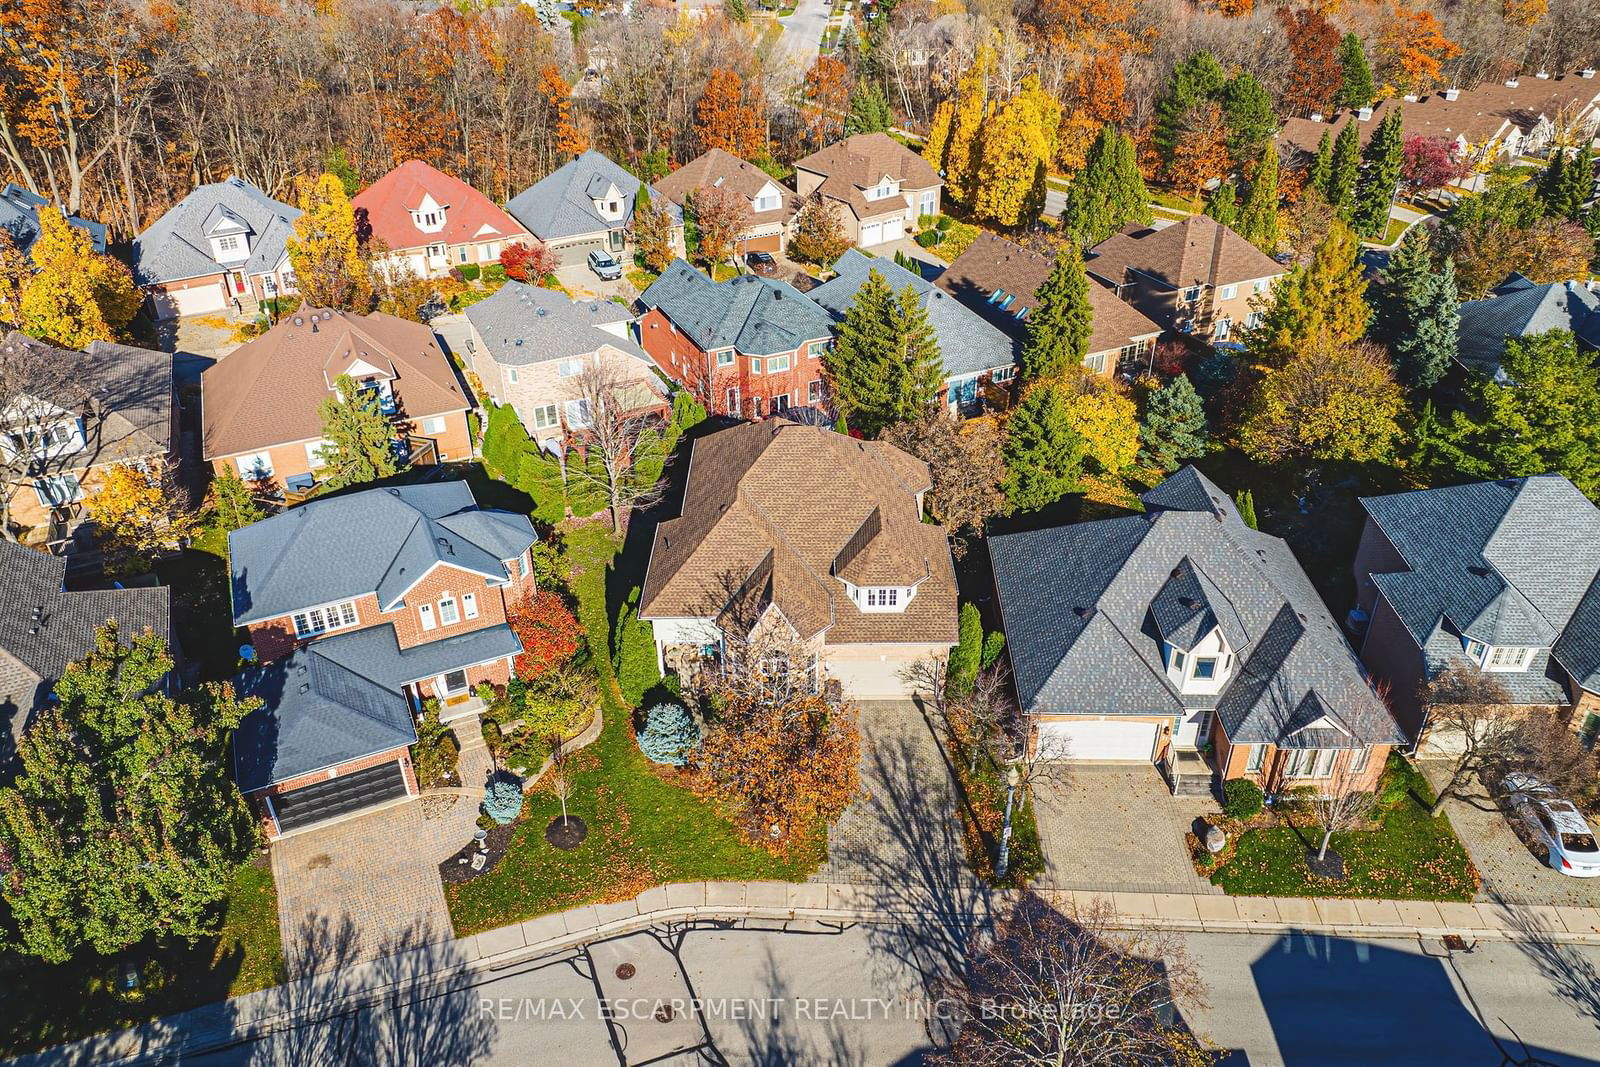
[74,296]
[933,148]
[1018,144]
[1106,419]
[324,251]
[142,512]
[961,153]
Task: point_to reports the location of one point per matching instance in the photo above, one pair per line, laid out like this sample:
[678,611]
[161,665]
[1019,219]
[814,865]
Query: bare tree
[1341,805]
[1049,989]
[1544,745]
[49,425]
[559,776]
[615,420]
[1470,714]
[762,658]
[966,462]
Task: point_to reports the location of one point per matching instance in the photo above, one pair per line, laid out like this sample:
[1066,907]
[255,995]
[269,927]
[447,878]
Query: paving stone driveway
[1116,828]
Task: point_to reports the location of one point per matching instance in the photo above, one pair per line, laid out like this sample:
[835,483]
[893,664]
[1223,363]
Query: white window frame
[577,413]
[1191,295]
[1223,328]
[1359,761]
[777,364]
[755,365]
[1261,285]
[768,203]
[433,424]
[449,610]
[438,251]
[229,243]
[566,368]
[425,611]
[1256,759]
[314,453]
[49,497]
[725,358]
[779,402]
[511,376]
[1227,292]
[1095,362]
[324,618]
[814,391]
[546,417]
[255,466]
[469,605]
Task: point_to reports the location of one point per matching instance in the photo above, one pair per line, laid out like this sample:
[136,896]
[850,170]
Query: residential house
[999,279]
[1498,576]
[879,185]
[528,346]
[1196,276]
[19,217]
[809,530]
[359,608]
[1162,635]
[583,206]
[973,350]
[1518,308]
[750,346]
[433,222]
[222,246]
[261,408]
[772,207]
[112,405]
[44,627]
[1495,120]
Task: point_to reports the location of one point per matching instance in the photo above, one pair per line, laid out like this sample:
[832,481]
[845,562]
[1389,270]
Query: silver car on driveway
[1557,824]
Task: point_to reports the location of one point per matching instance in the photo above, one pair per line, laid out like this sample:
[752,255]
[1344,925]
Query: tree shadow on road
[771,1038]
[1573,975]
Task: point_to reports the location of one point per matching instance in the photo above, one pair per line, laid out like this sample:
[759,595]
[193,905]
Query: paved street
[802,33]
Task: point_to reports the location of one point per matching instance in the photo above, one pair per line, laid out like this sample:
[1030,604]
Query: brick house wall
[258,798]
[496,673]
[541,384]
[292,458]
[1232,761]
[1166,306]
[686,363]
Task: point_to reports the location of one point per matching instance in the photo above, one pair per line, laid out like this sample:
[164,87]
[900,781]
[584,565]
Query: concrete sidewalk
[771,905]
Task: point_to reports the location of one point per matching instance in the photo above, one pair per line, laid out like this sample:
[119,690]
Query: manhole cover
[625,971]
[664,1013]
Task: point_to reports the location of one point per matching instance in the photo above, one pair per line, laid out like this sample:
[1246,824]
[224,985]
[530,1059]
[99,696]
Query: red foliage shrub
[528,262]
[547,629]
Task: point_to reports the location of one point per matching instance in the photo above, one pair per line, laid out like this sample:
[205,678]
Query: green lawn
[1411,856]
[45,1004]
[644,830]
[1176,201]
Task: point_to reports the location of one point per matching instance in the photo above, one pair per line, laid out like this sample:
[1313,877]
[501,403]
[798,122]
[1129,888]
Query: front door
[615,238]
[453,682]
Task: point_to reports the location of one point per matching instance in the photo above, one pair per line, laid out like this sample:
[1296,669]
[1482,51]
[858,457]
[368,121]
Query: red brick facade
[727,381]
[1233,762]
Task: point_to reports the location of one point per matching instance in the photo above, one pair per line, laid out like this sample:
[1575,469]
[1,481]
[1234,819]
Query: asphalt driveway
[1116,828]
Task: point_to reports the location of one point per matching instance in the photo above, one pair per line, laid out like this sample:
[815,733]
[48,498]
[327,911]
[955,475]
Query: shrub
[929,238]
[925,221]
[634,652]
[469,271]
[670,734]
[945,222]
[967,656]
[502,800]
[436,754]
[547,629]
[993,645]
[1242,799]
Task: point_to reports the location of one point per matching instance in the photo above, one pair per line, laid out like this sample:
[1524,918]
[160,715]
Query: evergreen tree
[1380,176]
[123,824]
[918,367]
[1194,81]
[1174,426]
[1422,352]
[1044,454]
[1566,183]
[886,366]
[1061,321]
[1245,501]
[1344,170]
[230,505]
[1247,109]
[1224,205]
[1401,280]
[1319,305]
[1108,193]
[359,440]
[337,162]
[869,111]
[1357,89]
[1258,217]
[1321,163]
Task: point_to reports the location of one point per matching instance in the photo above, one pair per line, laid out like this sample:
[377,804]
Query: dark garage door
[339,796]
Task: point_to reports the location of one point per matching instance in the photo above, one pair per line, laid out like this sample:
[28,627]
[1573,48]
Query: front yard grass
[644,829]
[1410,856]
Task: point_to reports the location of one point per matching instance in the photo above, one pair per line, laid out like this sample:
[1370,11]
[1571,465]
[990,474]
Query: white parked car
[1557,824]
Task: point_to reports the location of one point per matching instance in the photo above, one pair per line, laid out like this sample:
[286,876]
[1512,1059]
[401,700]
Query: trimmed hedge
[1242,799]
[633,652]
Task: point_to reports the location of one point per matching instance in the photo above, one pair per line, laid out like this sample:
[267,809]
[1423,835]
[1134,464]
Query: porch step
[1194,785]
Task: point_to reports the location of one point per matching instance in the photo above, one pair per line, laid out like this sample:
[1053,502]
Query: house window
[511,376]
[1311,762]
[821,348]
[58,489]
[435,424]
[1261,286]
[568,367]
[1257,757]
[767,203]
[545,417]
[929,202]
[461,254]
[469,605]
[755,407]
[814,392]
[577,413]
[229,244]
[885,597]
[613,206]
[1358,761]
[436,251]
[1003,374]
[755,366]
[1178,659]
[314,452]
[1205,668]
[1227,292]
[449,612]
[1095,362]
[780,403]
[1252,320]
[255,467]
[777,363]
[426,611]
[1223,326]
[725,358]
[1191,294]
[322,619]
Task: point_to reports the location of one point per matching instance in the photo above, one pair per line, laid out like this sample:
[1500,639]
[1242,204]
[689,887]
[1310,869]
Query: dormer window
[230,247]
[1205,668]
[880,598]
[230,244]
[428,216]
[1498,657]
[768,202]
[883,190]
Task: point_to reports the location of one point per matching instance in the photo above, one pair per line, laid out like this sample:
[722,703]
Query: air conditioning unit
[1452,93]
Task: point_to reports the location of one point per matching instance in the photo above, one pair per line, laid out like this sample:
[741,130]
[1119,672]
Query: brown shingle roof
[719,169]
[777,511]
[270,391]
[993,263]
[858,162]
[1196,251]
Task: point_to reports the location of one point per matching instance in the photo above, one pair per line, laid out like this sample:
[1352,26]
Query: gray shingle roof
[561,204]
[1512,562]
[967,343]
[1081,606]
[19,216]
[1522,310]
[176,245]
[378,541]
[132,388]
[522,324]
[758,316]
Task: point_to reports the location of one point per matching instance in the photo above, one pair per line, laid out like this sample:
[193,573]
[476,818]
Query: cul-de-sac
[799,532]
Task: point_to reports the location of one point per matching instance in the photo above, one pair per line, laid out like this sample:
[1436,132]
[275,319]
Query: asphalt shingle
[561,205]
[757,316]
[176,246]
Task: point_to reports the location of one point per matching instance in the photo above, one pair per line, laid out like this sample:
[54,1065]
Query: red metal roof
[391,199]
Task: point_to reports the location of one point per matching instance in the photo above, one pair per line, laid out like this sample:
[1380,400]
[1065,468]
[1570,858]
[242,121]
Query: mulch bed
[566,834]
[453,872]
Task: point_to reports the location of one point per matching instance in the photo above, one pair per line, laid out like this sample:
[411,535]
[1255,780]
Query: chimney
[1543,75]
[1410,98]
[1365,114]
[1452,93]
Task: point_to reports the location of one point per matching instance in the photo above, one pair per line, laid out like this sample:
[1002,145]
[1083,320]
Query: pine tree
[1245,501]
[1422,353]
[886,365]
[229,504]
[1108,193]
[1224,205]
[869,111]
[359,439]
[1321,163]
[1566,183]
[1044,454]
[917,367]
[1061,321]
[1403,278]
[1357,88]
[1345,169]
[1194,81]
[1174,426]
[1247,108]
[1319,305]
[1380,176]
[1258,217]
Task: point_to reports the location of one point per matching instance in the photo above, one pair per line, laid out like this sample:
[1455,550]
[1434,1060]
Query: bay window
[327,617]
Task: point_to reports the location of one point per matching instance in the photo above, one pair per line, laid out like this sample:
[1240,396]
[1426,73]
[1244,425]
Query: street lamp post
[1013,779]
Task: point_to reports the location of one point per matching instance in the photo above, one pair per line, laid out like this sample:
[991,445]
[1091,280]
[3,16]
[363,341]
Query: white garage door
[1098,739]
[870,679]
[894,229]
[871,233]
[199,300]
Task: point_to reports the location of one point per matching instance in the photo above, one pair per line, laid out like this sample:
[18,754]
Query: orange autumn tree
[1523,13]
[1314,75]
[418,123]
[1096,96]
[1202,150]
[1416,48]
[547,629]
[781,767]
[726,118]
[567,138]
[827,96]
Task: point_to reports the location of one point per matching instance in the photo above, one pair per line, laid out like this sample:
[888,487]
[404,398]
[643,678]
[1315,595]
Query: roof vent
[394,492]
[1365,114]
[1316,116]
[444,543]
[1543,74]
[305,687]
[1478,572]
[298,321]
[542,312]
[1082,612]
[519,342]
[1300,615]
[1452,93]
[1511,83]
[1188,602]
[1586,72]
